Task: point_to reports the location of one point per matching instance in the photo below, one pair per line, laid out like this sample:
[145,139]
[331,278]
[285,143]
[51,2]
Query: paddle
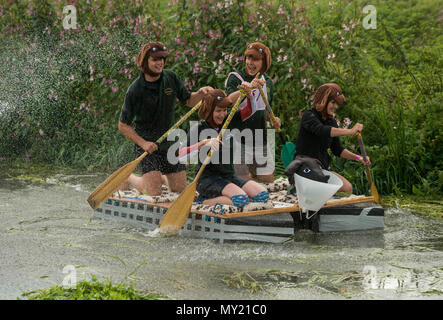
[288,149]
[374,191]
[108,187]
[178,212]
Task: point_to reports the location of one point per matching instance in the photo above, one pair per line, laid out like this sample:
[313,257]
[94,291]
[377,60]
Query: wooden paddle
[177,214]
[288,149]
[113,182]
[374,191]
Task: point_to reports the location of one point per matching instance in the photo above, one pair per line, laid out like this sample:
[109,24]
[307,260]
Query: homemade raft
[274,221]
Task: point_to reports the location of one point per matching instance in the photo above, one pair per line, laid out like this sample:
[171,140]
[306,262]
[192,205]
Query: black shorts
[211,186]
[157,161]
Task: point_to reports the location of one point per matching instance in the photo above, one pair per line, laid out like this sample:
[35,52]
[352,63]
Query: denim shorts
[211,186]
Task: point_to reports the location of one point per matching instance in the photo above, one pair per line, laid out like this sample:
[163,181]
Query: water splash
[153,234]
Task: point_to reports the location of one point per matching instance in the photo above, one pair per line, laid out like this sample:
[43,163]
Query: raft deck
[274,222]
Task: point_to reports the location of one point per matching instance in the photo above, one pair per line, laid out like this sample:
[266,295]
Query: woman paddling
[319,131]
[256,162]
[218,182]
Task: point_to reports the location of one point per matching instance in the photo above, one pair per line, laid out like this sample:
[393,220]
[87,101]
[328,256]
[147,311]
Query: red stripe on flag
[246,111]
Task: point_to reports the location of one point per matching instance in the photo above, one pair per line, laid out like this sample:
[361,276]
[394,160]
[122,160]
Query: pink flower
[280,11]
[251,18]
[114,89]
[101,126]
[40,131]
[103,39]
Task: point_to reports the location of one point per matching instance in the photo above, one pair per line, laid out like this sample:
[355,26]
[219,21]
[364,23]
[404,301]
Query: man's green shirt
[150,106]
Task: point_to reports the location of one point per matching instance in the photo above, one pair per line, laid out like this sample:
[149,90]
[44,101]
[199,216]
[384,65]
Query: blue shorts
[211,186]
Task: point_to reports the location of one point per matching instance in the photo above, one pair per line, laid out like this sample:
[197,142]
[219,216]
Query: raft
[275,221]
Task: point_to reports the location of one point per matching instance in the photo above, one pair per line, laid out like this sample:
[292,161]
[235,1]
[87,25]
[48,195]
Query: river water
[48,237]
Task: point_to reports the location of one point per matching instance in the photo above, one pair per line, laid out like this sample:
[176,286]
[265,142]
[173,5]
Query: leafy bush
[61,90]
[91,290]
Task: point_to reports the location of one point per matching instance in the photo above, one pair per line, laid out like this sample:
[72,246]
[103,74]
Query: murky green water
[47,226]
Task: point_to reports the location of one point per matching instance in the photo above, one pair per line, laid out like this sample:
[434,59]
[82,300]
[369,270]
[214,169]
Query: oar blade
[178,212]
[374,193]
[111,184]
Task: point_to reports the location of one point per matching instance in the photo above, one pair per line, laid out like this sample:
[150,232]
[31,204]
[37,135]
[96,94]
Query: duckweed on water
[432,207]
[242,280]
[32,171]
[336,284]
[91,290]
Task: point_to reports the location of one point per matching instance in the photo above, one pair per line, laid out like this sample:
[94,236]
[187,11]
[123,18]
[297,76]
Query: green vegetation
[242,280]
[61,90]
[91,290]
[429,206]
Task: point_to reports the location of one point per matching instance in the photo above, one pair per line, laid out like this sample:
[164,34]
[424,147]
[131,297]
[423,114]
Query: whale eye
[306,170]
